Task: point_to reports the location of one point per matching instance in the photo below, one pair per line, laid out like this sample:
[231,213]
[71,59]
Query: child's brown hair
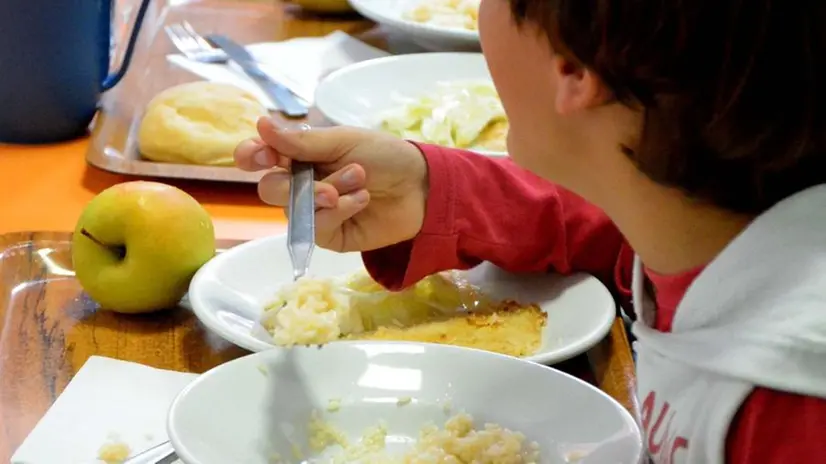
[733,91]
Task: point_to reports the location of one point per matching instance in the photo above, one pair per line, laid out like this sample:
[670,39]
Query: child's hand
[371,187]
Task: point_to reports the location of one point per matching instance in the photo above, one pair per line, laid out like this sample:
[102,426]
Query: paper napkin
[299,64]
[107,402]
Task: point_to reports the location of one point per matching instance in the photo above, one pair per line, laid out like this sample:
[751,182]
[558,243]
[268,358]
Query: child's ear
[578,87]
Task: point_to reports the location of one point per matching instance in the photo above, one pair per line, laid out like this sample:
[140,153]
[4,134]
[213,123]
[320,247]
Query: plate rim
[186,456]
[198,305]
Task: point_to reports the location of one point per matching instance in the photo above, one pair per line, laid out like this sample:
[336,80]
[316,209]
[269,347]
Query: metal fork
[193,45]
[301,219]
[300,244]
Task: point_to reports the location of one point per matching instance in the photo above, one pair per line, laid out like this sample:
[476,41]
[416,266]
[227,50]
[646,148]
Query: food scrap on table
[114,453]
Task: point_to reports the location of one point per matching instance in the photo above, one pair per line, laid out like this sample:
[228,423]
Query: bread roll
[198,123]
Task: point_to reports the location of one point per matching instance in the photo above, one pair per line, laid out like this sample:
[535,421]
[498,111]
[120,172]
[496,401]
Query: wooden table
[49,328]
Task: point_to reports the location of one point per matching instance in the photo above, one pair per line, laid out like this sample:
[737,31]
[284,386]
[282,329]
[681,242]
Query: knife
[286,101]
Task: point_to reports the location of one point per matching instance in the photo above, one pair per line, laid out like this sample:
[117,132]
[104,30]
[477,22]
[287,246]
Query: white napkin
[107,402]
[298,64]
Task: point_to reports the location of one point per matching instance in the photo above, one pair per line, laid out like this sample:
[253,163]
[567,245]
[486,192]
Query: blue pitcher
[54,65]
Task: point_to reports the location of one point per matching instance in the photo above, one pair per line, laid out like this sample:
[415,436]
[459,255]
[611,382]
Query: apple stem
[119,251]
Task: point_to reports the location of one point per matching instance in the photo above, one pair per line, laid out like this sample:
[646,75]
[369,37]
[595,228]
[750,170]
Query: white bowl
[389,13]
[229,292]
[246,410]
[359,94]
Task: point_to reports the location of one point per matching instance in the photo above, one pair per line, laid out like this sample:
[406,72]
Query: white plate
[229,292]
[389,13]
[246,410]
[359,94]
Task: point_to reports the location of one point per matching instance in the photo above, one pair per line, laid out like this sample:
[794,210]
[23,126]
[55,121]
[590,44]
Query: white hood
[757,313]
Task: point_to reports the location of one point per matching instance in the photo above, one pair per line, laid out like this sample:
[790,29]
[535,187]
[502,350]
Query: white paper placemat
[299,64]
[107,402]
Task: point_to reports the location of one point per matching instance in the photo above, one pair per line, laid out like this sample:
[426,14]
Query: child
[677,150]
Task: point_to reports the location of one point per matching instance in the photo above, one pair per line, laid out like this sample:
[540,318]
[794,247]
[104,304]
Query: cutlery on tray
[192,45]
[287,102]
[220,49]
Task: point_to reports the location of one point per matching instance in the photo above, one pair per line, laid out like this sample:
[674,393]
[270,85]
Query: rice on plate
[443,308]
[459,441]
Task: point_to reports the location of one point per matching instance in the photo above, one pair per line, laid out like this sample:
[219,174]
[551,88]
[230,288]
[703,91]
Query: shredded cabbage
[461,114]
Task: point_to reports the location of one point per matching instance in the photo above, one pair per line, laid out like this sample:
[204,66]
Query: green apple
[137,245]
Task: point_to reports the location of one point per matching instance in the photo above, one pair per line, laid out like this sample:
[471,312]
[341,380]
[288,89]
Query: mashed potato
[457,442]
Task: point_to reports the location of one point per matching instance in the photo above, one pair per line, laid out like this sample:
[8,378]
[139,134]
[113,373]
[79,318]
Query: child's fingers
[328,222]
[255,155]
[348,179]
[274,187]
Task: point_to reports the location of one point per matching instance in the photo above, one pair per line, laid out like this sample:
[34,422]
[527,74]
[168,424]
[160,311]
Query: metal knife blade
[286,101]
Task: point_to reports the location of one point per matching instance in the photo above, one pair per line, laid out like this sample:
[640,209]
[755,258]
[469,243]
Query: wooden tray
[49,328]
[113,145]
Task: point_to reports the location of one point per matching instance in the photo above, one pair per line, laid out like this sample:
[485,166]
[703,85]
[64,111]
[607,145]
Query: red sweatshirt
[486,209]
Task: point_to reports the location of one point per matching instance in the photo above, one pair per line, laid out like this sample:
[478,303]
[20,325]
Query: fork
[300,244]
[301,219]
[193,45]
[301,215]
